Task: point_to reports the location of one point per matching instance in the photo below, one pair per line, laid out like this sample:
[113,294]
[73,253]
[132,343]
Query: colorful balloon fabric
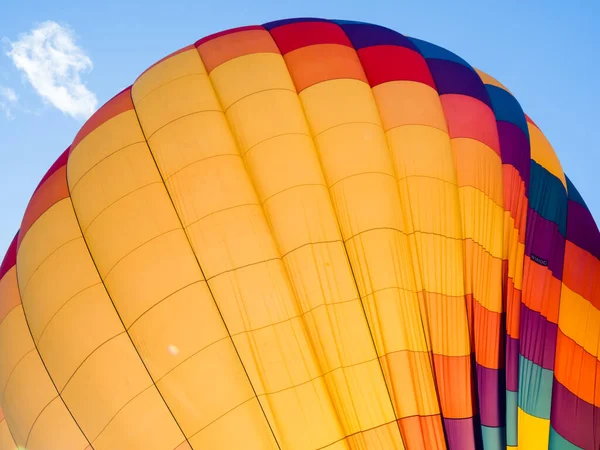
[304,235]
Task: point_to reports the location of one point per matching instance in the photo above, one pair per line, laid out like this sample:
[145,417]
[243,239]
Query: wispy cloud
[8,98]
[53,65]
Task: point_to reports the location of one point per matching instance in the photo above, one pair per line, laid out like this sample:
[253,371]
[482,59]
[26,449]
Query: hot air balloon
[310,234]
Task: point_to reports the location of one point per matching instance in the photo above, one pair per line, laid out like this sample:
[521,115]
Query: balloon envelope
[309,234]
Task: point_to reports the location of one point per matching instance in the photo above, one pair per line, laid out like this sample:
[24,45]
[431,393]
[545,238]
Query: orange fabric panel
[582,273]
[423,432]
[487,329]
[53,190]
[470,118]
[542,292]
[229,46]
[316,63]
[453,375]
[576,369]
[115,106]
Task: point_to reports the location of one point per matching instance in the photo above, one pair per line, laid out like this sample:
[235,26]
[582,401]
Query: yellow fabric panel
[297,166]
[21,403]
[487,229]
[123,129]
[84,322]
[422,151]
[430,205]
[484,280]
[403,103]
[15,341]
[168,333]
[248,74]
[579,320]
[343,150]
[213,383]
[105,184]
[6,439]
[95,393]
[149,426]
[543,153]
[180,97]
[55,429]
[243,427]
[338,102]
[150,273]
[478,166]
[38,245]
[262,115]
[534,432]
[177,66]
[127,225]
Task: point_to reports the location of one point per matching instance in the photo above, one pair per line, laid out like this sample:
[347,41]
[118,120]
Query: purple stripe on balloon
[512,364]
[545,242]
[575,419]
[582,230]
[491,394]
[367,35]
[515,149]
[454,78]
[459,433]
[538,338]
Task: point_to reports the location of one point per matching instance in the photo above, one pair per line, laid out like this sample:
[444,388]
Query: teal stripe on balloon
[535,389]
[512,419]
[557,442]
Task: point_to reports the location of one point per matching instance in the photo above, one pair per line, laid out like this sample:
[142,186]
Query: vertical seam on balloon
[38,350]
[200,267]
[360,297]
[115,308]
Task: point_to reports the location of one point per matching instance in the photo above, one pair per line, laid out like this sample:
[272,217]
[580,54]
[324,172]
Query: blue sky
[544,51]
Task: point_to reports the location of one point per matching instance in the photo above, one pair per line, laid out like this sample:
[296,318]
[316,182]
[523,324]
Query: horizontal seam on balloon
[429,177]
[357,433]
[100,161]
[199,161]
[10,311]
[105,277]
[15,368]
[66,384]
[359,174]
[43,261]
[358,122]
[245,56]
[39,340]
[103,210]
[182,117]
[242,205]
[577,343]
[472,138]
[36,419]
[46,212]
[191,436]
[307,244]
[130,326]
[243,267]
[245,152]
[530,413]
[424,125]
[121,409]
[293,91]
[140,100]
[293,187]
[362,80]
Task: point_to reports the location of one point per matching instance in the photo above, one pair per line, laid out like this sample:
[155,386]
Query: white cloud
[53,64]
[8,98]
